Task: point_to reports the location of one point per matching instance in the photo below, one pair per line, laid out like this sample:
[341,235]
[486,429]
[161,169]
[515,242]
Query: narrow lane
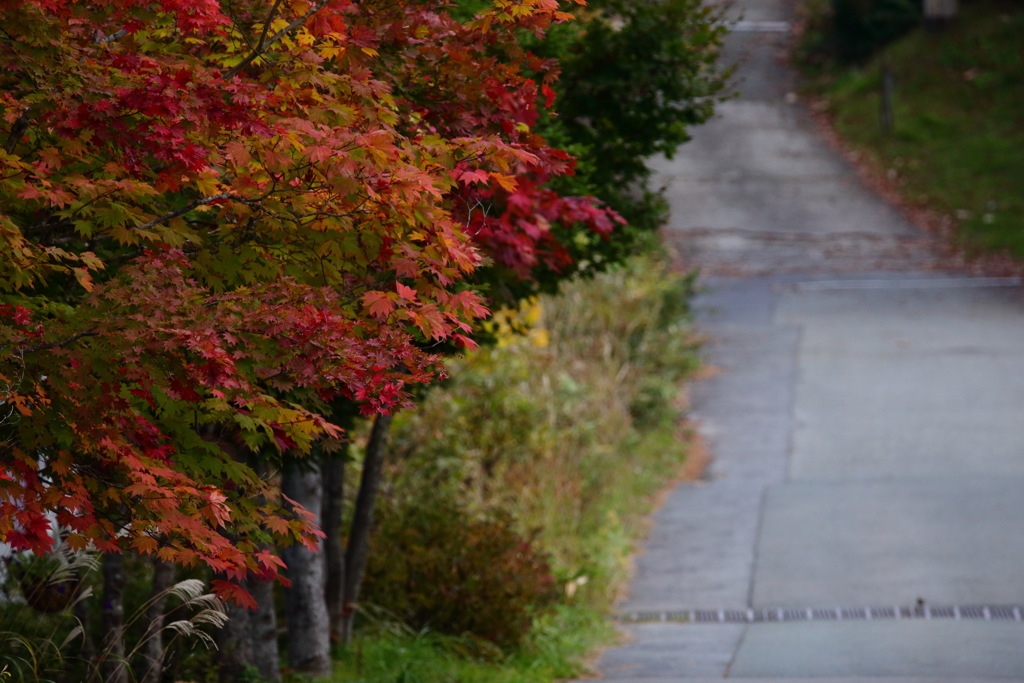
[862,514]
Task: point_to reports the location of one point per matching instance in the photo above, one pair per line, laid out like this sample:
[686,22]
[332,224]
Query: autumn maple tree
[218,219]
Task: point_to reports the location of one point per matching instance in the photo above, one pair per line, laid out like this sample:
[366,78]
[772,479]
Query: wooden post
[886,103]
[939,13]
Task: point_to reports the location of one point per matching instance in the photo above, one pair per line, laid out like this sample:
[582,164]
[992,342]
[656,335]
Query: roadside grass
[569,425]
[957,143]
[555,650]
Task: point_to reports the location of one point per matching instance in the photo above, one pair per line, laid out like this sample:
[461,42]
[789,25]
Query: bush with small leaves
[457,575]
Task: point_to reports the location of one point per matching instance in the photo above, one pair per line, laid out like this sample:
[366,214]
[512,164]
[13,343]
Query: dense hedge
[850,31]
[635,77]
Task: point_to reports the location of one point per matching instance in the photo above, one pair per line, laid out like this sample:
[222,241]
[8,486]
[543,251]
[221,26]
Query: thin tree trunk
[266,656]
[305,602]
[153,648]
[113,666]
[235,640]
[82,612]
[343,414]
[362,520]
[334,549]
[234,644]
[263,630]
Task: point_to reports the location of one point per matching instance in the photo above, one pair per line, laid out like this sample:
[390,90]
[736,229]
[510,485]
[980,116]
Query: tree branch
[54,345]
[185,209]
[266,26]
[115,36]
[17,130]
[266,43]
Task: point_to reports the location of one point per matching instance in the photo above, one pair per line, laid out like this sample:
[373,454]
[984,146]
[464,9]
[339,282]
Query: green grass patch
[558,643]
[957,144]
[565,429]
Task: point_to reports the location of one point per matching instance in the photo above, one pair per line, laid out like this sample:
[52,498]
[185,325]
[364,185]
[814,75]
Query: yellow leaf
[82,275]
[332,52]
[206,182]
[146,545]
[507,182]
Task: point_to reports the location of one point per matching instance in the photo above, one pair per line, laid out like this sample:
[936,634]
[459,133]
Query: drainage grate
[765,615]
[744,26]
[906,283]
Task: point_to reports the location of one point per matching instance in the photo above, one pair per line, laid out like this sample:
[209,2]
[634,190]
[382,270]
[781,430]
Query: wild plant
[41,646]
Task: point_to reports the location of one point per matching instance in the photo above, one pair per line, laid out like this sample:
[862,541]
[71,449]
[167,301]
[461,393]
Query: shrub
[635,78]
[851,31]
[456,575]
[560,432]
[580,388]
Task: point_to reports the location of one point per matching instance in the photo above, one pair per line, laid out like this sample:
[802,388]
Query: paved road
[863,516]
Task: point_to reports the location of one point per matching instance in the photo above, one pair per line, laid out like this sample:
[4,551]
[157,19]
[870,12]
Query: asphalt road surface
[863,515]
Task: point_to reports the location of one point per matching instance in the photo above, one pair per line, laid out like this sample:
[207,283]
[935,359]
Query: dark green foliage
[853,30]
[433,568]
[635,76]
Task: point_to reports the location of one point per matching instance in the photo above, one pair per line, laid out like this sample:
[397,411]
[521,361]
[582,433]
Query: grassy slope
[958,140]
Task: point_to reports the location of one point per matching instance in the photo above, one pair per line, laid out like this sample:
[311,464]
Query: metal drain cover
[789,614]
